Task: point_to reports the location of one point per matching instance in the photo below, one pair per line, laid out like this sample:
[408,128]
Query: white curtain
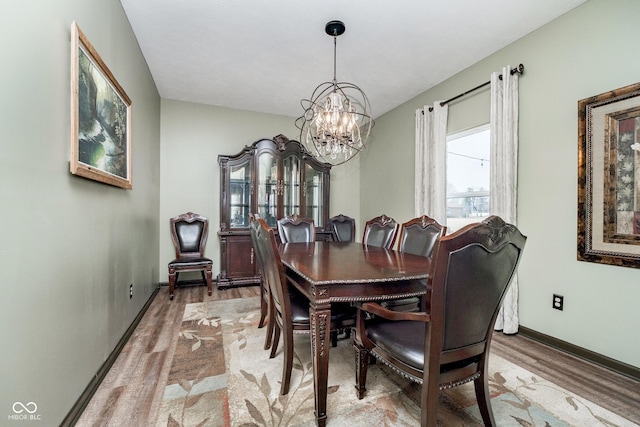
[430,197]
[504,173]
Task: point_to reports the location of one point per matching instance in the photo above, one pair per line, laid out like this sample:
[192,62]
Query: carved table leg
[362,363]
[320,317]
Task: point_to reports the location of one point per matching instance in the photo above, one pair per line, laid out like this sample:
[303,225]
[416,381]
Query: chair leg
[172,282]
[334,338]
[287,366]
[484,400]
[209,280]
[429,395]
[263,306]
[270,324]
[362,364]
[276,340]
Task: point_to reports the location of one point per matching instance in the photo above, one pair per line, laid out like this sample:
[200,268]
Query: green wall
[193,135]
[70,246]
[590,50]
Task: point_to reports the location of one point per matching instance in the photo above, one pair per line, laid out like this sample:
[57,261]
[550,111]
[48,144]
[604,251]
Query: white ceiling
[266,55]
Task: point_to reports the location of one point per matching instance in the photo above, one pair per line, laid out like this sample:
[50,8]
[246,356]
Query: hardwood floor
[611,390]
[129,394]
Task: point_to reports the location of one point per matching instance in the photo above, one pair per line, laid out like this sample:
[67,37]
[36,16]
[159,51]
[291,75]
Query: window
[468,177]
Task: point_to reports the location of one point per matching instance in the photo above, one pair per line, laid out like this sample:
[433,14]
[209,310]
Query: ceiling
[266,55]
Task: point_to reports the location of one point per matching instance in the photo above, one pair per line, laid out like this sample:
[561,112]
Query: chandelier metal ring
[337,121]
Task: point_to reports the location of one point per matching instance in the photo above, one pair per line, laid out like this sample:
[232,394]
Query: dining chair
[290,309]
[380,231]
[343,228]
[264,295]
[448,344]
[189,233]
[417,236]
[296,229]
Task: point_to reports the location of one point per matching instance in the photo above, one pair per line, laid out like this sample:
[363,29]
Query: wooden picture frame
[100,117]
[609,177]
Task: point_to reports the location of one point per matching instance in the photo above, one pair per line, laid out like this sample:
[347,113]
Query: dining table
[329,272]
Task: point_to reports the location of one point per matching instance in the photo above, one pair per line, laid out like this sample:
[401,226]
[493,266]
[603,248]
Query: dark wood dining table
[329,272]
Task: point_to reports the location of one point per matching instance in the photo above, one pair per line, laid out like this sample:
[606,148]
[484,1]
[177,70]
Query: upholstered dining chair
[296,229]
[448,344]
[417,236]
[290,309]
[189,233]
[264,295]
[343,228]
[380,231]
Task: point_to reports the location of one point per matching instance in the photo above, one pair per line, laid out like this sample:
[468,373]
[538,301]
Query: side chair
[289,308]
[343,228]
[189,233]
[448,344]
[296,229]
[417,236]
[380,231]
[264,295]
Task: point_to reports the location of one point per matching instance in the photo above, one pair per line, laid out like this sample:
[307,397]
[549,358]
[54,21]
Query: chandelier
[337,120]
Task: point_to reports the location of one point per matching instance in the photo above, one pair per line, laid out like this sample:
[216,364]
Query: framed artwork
[100,118]
[609,177]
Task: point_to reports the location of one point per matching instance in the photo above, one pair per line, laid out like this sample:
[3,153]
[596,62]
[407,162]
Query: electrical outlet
[558,302]
[131,291]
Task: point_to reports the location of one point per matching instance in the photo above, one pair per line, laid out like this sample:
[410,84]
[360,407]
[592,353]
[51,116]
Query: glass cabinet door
[291,196]
[240,193]
[268,188]
[313,194]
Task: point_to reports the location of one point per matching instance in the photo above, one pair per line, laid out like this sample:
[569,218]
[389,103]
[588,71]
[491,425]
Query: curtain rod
[519,69]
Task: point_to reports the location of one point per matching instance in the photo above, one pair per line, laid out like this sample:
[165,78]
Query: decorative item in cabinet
[271,178]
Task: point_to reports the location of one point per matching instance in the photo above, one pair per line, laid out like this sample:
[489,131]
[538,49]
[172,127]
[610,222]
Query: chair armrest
[378,310]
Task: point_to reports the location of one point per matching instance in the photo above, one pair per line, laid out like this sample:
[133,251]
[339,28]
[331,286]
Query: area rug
[221,376]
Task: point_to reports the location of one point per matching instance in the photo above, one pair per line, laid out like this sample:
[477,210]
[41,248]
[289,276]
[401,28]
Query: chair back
[266,249]
[343,228]
[471,270]
[419,235]
[189,234]
[380,231]
[296,229]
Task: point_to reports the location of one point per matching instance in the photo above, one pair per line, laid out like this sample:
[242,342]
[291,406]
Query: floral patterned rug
[222,376]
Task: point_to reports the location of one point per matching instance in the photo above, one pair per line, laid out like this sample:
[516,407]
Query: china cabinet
[271,178]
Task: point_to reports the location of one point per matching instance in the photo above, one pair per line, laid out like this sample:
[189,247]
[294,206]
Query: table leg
[320,317]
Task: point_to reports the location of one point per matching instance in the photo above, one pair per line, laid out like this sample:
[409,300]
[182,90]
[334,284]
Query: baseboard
[76,411]
[590,356]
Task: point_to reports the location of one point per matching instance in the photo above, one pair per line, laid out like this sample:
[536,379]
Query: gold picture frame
[609,177]
[100,117]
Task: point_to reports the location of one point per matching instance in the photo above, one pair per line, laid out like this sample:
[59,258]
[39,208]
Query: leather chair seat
[190,262]
[402,304]
[402,339]
[342,314]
